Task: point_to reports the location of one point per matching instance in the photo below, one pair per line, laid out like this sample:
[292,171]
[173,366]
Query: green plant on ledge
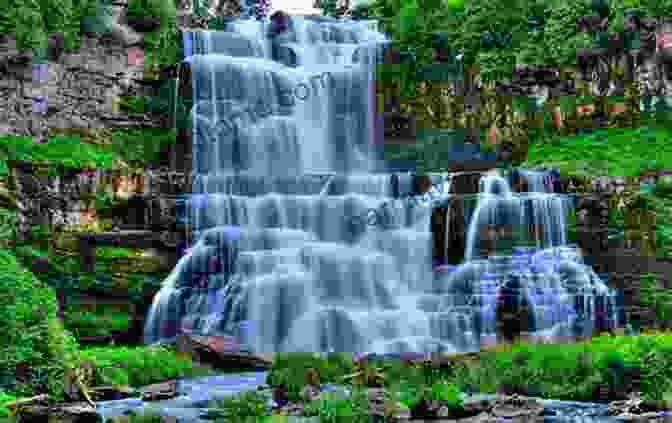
[235,407]
[333,407]
[366,374]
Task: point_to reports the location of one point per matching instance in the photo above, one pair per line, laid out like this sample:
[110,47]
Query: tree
[328,7]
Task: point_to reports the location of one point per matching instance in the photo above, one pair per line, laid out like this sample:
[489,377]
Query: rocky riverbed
[192,395]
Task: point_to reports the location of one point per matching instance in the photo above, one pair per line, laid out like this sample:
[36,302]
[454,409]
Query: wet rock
[143,23]
[515,407]
[41,409]
[221,352]
[311,393]
[111,392]
[160,391]
[279,23]
[636,408]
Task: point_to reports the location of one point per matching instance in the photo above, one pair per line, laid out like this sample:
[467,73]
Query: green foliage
[448,393]
[366,374]
[235,407]
[31,332]
[33,20]
[22,319]
[7,224]
[335,407]
[659,298]
[328,7]
[99,323]
[4,398]
[663,187]
[138,145]
[63,151]
[289,369]
[657,372]
[360,11]
[139,366]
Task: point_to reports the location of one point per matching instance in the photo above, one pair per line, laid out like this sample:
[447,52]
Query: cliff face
[79,90]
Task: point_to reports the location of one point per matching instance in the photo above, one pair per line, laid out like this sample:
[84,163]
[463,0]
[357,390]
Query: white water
[278,245]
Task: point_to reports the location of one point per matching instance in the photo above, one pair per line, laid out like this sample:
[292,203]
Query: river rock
[160,391]
[311,393]
[636,408]
[111,392]
[39,410]
[221,352]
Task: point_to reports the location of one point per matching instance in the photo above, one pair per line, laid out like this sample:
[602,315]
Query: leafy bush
[139,366]
[289,369]
[235,407]
[30,331]
[61,150]
[4,398]
[332,407]
[100,323]
[659,298]
[664,187]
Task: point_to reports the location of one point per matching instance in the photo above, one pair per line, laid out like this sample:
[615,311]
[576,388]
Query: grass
[609,152]
[103,321]
[5,397]
[140,366]
[66,151]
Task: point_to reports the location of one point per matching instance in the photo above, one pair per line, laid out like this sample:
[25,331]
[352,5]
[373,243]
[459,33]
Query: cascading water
[279,179]
[564,295]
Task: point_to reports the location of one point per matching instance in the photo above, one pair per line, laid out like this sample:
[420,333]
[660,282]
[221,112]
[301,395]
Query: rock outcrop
[221,352]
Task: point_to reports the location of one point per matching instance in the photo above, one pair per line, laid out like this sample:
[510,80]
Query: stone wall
[620,264]
[61,197]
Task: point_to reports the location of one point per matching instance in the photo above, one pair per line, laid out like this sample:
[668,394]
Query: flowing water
[286,176]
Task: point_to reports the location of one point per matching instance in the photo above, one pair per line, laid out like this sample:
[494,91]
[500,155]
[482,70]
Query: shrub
[289,369]
[246,404]
[4,398]
[663,186]
[30,332]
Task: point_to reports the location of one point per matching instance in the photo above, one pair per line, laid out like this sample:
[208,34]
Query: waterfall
[303,241]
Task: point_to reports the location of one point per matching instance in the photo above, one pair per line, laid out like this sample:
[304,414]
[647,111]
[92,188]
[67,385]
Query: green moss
[29,329]
[62,151]
[139,366]
[622,151]
[103,321]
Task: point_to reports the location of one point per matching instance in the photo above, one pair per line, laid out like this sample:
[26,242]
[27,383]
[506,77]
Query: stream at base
[194,393]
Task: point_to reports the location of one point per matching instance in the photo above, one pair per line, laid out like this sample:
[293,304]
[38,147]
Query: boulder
[111,392]
[220,352]
[160,391]
[41,409]
[279,23]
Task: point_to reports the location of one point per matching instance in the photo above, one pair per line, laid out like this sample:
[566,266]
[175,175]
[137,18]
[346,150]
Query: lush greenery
[139,366]
[66,151]
[523,31]
[33,20]
[31,332]
[102,321]
[133,146]
[613,152]
[5,397]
